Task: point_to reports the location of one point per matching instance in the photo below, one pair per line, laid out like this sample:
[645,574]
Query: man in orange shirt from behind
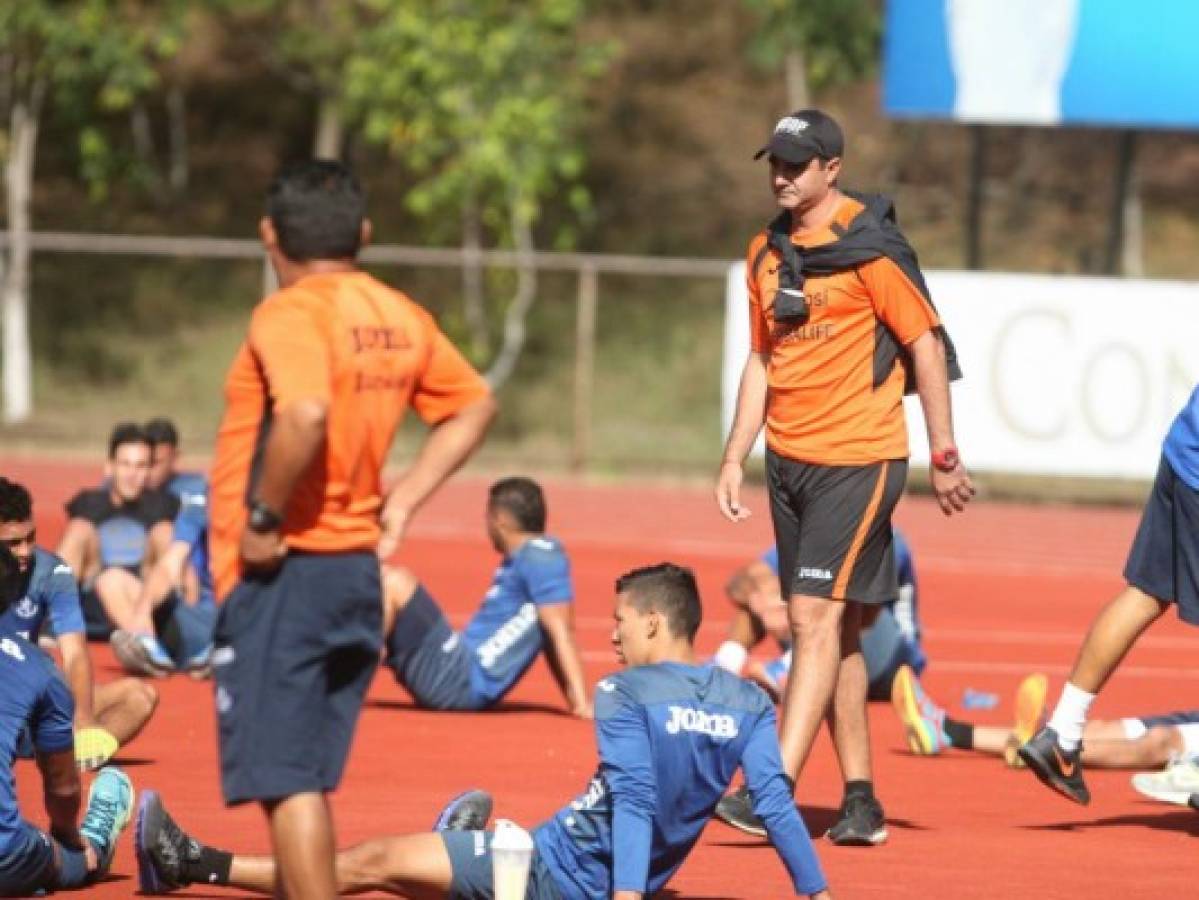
[314,396]
[840,325]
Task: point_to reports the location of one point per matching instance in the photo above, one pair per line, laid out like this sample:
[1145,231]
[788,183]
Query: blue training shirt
[670,738]
[1181,447]
[34,696]
[504,636]
[191,526]
[50,590]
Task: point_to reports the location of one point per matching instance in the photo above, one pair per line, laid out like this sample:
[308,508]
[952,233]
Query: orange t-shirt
[369,352]
[822,404]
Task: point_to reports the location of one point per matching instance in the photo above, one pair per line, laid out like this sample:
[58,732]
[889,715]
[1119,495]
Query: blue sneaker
[109,807]
[469,811]
[923,720]
[141,654]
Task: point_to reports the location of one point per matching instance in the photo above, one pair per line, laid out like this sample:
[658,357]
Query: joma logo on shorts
[818,574]
[684,718]
[510,632]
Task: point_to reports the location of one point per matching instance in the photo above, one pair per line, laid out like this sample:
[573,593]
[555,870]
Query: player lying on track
[34,698]
[670,735]
[1129,743]
[527,608]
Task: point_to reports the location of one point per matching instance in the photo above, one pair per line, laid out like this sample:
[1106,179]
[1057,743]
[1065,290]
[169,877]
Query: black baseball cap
[805,134]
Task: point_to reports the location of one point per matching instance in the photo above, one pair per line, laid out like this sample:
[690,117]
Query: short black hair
[317,208]
[15,503]
[10,578]
[522,499]
[669,589]
[126,433]
[161,430]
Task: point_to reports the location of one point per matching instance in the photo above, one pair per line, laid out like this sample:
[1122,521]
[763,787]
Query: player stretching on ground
[34,697]
[670,733]
[107,716]
[1162,570]
[527,607]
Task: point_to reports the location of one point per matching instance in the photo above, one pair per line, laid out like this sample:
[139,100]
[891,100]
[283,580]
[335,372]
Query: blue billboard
[1044,62]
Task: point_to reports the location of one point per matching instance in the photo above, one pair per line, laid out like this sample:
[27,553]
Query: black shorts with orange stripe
[832,526]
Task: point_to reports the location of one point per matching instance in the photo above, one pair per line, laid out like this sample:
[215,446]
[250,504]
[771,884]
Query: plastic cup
[511,856]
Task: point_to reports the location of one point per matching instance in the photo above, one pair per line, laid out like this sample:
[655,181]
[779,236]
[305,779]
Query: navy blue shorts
[294,655]
[832,527]
[470,861]
[1182,717]
[27,866]
[1164,560]
[429,658]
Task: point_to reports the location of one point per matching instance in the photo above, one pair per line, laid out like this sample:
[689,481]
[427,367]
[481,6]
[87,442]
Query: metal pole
[975,198]
[1123,227]
[585,318]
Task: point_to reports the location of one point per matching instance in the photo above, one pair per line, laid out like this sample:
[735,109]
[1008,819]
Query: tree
[483,99]
[88,56]
[817,42]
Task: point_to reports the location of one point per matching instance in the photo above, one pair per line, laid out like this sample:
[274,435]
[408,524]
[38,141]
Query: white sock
[1070,716]
[731,657]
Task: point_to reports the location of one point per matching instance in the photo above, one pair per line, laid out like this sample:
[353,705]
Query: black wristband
[263,519]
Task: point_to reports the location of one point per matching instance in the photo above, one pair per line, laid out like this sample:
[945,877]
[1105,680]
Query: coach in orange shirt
[313,398]
[840,321]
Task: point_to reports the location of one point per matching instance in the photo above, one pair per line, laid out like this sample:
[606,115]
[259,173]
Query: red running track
[1005,589]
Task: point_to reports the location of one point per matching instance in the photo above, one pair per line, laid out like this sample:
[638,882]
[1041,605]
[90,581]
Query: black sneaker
[860,823]
[737,809]
[1055,767]
[161,846]
[469,811]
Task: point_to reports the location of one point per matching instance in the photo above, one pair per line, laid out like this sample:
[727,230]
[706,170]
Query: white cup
[511,856]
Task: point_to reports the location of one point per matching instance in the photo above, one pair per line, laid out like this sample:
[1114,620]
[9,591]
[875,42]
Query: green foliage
[481,99]
[839,39]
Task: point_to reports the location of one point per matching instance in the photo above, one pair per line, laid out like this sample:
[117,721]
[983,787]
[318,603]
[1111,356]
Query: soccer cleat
[1030,710]
[141,654]
[860,823]
[109,806]
[922,719]
[737,809]
[1174,784]
[469,811]
[161,846]
[1059,769]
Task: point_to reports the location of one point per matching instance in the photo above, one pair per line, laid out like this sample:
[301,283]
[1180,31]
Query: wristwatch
[263,519]
[946,460]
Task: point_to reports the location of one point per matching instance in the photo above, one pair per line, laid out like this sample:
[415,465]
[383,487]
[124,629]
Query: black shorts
[293,657]
[1164,559]
[832,526]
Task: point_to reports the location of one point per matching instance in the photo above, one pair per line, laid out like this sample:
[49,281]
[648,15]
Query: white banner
[1063,375]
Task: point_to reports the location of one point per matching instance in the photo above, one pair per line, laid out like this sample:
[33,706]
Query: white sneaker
[1174,784]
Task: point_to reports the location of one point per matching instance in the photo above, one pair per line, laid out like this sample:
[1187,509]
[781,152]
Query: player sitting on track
[670,735]
[527,607]
[1128,743]
[34,699]
[891,641]
[116,532]
[169,628]
[106,716]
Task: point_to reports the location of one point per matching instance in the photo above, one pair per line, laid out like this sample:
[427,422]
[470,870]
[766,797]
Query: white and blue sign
[1044,62]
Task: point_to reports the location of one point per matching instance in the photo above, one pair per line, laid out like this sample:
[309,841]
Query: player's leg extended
[123,707]
[1106,746]
[816,660]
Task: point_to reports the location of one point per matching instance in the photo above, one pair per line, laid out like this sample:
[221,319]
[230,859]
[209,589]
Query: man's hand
[394,521]
[262,551]
[728,492]
[953,489]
